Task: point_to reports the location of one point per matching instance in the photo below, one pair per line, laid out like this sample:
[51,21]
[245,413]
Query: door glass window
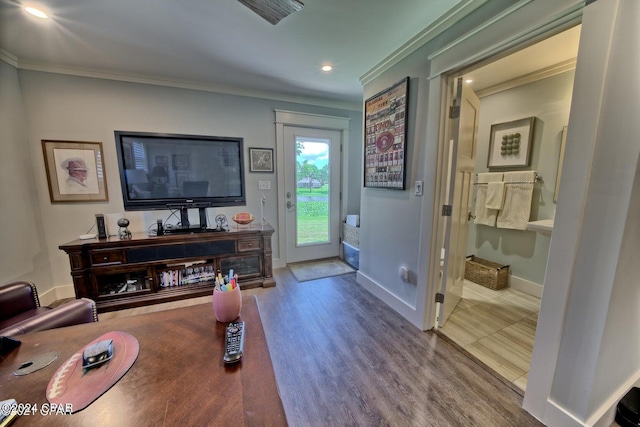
[312,191]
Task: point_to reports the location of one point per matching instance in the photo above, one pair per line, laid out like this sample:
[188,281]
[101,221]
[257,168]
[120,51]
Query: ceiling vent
[273,10]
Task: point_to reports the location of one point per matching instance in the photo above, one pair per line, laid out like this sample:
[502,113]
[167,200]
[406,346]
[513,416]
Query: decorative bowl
[243,218]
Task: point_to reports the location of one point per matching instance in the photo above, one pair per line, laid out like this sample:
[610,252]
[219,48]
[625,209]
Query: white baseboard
[56,293]
[278,263]
[601,417]
[392,300]
[526,286]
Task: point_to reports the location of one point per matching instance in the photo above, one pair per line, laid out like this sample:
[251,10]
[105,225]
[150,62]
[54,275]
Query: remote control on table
[234,342]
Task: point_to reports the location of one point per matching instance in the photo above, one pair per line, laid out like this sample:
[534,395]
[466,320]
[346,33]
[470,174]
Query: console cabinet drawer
[246,245]
[107,257]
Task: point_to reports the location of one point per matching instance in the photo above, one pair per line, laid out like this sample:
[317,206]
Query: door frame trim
[447,65]
[313,121]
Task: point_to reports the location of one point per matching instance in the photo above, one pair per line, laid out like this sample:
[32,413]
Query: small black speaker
[203,217]
[102,226]
[160,228]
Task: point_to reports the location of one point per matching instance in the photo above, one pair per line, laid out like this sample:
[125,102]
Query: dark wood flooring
[343,358]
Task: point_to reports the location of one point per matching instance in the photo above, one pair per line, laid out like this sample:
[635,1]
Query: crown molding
[558,22]
[508,11]
[9,58]
[544,73]
[181,84]
[434,29]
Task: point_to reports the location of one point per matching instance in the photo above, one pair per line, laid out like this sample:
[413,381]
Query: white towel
[483,215]
[517,200]
[495,195]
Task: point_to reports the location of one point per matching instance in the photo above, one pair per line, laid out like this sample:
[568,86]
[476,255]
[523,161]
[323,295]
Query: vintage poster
[385,137]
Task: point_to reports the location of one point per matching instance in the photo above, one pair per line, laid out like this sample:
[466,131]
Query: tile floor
[497,327]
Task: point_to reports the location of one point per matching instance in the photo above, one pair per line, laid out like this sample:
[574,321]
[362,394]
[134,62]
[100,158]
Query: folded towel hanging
[483,215]
[495,195]
[517,200]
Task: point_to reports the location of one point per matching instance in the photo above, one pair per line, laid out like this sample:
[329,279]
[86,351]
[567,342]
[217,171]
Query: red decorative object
[243,218]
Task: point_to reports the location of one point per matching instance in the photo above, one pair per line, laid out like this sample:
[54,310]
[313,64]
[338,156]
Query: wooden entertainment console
[145,270]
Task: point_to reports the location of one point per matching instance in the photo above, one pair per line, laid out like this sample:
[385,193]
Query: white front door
[312,193]
[465,136]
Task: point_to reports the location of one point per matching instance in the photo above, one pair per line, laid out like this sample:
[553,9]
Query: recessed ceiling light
[36,12]
[327,68]
[468,81]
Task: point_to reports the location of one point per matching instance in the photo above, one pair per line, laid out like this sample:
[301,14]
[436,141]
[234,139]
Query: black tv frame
[178,203]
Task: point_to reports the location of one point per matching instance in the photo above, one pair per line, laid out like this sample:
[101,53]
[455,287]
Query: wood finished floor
[497,327]
[356,362]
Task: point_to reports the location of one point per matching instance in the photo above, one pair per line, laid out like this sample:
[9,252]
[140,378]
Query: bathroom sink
[544,226]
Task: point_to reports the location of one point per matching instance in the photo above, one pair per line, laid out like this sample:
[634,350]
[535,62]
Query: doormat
[319,269]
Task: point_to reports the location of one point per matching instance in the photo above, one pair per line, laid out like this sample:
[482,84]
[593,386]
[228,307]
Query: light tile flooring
[497,327]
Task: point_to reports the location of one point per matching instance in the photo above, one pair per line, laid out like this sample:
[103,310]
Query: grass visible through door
[313,214]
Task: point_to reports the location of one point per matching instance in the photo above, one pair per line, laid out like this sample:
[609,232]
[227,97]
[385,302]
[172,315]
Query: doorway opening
[498,326]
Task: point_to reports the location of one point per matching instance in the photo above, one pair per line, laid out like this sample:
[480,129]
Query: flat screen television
[171,171]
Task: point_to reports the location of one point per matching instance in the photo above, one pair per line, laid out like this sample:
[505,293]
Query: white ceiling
[217,43]
[544,55]
[223,45]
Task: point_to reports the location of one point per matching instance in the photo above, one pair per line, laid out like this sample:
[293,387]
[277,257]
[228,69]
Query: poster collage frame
[385,131]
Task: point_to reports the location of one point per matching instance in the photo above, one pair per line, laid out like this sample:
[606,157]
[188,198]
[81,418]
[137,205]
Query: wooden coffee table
[178,379]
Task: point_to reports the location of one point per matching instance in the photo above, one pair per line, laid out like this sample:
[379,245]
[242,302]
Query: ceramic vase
[227,304]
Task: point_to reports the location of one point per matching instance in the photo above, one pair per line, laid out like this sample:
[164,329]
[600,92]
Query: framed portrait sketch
[261,159]
[385,134]
[75,171]
[510,144]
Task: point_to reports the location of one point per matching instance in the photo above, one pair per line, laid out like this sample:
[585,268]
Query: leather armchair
[20,311]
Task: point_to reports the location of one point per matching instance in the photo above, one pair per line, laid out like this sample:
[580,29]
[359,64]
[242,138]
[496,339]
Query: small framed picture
[261,159]
[75,171]
[510,144]
[180,162]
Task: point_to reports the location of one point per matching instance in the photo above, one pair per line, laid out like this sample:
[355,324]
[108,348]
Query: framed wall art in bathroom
[510,144]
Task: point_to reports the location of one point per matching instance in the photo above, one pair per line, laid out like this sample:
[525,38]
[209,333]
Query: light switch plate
[264,185]
[418,188]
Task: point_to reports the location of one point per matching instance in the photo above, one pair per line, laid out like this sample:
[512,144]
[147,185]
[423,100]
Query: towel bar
[538,178]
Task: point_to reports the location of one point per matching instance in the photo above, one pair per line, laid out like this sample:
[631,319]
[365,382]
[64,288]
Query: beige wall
[24,254]
[74,108]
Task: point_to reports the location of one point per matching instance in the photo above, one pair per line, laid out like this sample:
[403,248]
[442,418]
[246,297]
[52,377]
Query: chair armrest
[16,298]
[75,312]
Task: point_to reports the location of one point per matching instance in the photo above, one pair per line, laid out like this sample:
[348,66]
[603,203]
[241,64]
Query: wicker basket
[486,273]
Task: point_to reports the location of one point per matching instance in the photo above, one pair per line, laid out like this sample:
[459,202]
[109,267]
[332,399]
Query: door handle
[290,205]
[471,216]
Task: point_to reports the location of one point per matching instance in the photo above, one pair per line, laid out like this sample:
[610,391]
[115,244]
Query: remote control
[234,342]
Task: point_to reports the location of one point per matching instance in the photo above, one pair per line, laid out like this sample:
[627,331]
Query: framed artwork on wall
[260,159]
[385,134]
[180,162]
[75,171]
[510,144]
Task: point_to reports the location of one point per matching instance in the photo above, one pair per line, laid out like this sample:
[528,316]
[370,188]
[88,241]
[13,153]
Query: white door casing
[297,249]
[284,118]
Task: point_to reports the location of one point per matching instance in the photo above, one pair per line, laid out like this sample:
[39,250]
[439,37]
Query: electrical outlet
[418,188]
[264,185]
